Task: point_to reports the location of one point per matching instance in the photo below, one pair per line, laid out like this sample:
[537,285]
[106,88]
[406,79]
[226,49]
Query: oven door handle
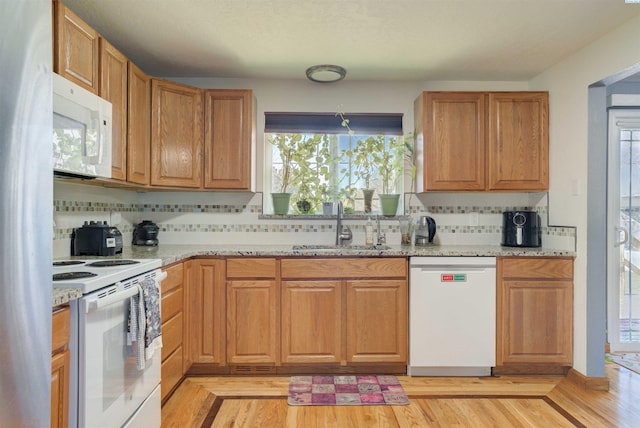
[100,302]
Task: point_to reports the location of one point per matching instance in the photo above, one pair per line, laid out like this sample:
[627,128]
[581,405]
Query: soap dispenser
[368,232]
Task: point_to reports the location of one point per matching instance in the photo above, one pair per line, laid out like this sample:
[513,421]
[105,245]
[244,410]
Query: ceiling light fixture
[326,73]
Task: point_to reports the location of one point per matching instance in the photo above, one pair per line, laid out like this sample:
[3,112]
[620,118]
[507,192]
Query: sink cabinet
[534,315]
[344,310]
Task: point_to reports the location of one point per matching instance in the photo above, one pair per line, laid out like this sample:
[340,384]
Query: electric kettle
[425,231]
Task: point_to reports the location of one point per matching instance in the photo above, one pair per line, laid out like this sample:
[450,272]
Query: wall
[568,83]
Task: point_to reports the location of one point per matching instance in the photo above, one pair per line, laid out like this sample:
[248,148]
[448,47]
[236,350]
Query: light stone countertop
[174,253]
[62,296]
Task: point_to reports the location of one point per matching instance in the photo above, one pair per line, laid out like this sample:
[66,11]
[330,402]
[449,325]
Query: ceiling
[372,39]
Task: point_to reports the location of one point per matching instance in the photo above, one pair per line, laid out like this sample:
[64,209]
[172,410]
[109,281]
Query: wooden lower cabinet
[311,322]
[206,316]
[252,308]
[377,321]
[60,366]
[173,302]
[534,314]
[344,311]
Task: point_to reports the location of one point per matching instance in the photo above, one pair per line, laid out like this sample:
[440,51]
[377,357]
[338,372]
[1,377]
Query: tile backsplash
[228,218]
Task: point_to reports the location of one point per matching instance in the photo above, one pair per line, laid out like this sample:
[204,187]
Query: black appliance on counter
[96,238]
[146,233]
[521,229]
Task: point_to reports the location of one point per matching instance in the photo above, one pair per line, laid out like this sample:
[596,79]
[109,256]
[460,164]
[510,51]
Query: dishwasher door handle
[457,268]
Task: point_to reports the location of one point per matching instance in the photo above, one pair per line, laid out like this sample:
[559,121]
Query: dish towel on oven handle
[145,322]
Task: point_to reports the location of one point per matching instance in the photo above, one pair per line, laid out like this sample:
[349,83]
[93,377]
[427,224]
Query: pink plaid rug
[346,391]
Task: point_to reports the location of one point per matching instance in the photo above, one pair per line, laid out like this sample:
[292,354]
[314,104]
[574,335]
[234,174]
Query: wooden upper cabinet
[483,141]
[75,48]
[229,139]
[176,134]
[113,88]
[139,126]
[518,141]
[454,140]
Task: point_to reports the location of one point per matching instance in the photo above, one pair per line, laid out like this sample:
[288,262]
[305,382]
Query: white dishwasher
[452,316]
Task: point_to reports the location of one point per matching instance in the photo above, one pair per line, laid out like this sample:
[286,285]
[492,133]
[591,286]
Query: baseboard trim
[588,383]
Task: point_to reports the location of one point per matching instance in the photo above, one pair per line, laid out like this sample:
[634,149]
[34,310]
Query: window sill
[357,216]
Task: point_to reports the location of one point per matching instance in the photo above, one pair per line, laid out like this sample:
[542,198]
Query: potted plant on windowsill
[390,165]
[282,198]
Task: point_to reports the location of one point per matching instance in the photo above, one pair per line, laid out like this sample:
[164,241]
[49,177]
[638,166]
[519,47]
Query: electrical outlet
[473,219]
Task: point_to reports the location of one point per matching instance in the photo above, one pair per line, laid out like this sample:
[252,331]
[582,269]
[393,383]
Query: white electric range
[106,387]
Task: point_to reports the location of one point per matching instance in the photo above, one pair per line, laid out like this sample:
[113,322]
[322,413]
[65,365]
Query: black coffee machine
[521,229]
[146,233]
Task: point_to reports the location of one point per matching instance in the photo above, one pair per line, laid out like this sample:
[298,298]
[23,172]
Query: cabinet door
[176,134]
[206,312]
[76,49]
[311,322]
[377,318]
[251,321]
[60,389]
[454,141]
[534,311]
[518,141]
[228,139]
[113,88]
[536,322]
[138,126]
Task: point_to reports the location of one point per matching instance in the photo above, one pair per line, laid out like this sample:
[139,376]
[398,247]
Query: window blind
[330,123]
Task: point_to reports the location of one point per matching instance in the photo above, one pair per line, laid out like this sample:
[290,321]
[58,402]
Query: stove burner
[72,275]
[107,263]
[68,263]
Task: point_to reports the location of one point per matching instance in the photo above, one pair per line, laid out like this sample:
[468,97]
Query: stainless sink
[340,247]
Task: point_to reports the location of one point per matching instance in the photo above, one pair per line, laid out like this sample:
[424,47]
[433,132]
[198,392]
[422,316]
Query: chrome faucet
[343,233]
[382,238]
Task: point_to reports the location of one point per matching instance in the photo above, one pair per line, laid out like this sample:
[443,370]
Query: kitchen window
[318,158]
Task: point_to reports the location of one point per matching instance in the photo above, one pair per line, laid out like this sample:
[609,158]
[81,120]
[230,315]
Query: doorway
[624,230]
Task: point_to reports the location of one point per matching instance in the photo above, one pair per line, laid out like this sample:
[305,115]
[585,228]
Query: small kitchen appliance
[82,131]
[521,229]
[96,239]
[146,233]
[425,231]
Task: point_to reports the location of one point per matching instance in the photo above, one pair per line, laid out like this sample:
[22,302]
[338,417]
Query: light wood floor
[506,401]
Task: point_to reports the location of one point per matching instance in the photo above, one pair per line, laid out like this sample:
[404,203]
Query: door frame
[615,116]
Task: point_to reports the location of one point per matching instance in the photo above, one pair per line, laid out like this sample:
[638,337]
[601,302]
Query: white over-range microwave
[81,131]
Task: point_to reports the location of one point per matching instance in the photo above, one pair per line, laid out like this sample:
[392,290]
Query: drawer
[171,372]
[537,267]
[172,303]
[173,279]
[251,268]
[171,335]
[344,268]
[60,328]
